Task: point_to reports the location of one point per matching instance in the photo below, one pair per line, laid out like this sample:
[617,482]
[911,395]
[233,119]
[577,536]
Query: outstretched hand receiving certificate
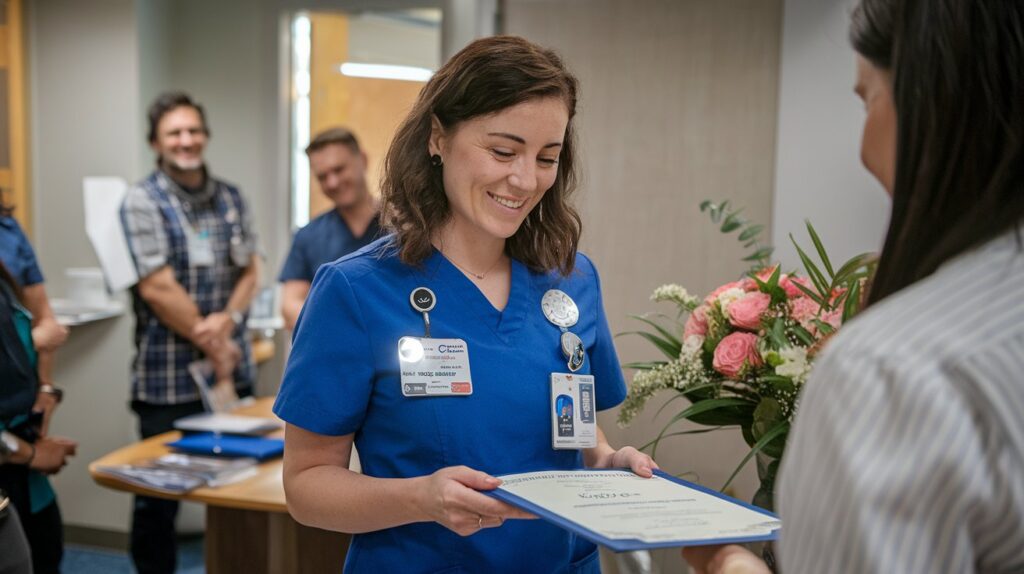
[620,510]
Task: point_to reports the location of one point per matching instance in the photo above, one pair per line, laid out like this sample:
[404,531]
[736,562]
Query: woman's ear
[435,146]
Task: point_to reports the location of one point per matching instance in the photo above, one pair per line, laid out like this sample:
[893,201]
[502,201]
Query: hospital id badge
[573,420]
[434,367]
[200,249]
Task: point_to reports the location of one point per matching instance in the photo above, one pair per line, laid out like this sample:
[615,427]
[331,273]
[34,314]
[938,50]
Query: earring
[435,160]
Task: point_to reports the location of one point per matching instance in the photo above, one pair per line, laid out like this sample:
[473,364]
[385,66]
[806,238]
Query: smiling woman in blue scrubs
[476,192]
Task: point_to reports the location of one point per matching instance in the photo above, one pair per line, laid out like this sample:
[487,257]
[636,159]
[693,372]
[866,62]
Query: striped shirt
[907,454]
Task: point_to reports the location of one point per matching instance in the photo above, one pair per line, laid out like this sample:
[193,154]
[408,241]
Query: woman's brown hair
[486,77]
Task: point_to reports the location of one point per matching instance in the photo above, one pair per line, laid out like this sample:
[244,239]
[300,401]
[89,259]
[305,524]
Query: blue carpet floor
[91,560]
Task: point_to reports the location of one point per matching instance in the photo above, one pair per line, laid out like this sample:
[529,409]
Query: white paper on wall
[103,196]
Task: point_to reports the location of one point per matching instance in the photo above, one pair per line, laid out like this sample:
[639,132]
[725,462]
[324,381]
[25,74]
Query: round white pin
[559,308]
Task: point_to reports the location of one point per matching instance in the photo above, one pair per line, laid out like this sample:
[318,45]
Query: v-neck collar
[504,323]
[371,231]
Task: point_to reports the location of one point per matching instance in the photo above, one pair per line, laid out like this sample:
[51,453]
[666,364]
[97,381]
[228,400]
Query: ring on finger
[479,521]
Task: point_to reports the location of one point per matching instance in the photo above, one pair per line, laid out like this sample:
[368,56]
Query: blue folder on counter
[208,443]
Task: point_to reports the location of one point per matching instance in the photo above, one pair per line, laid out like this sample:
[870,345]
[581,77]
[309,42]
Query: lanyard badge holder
[198,244]
[573,420]
[432,367]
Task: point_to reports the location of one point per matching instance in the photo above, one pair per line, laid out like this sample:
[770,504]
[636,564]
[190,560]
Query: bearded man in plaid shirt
[191,238]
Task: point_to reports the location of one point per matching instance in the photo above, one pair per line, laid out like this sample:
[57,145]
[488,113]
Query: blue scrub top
[343,377]
[17,253]
[323,240]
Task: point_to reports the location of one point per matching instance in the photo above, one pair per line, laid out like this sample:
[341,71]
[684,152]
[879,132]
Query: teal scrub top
[40,492]
[343,377]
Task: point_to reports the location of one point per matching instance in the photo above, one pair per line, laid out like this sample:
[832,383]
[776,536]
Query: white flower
[677,375]
[728,296]
[677,294]
[794,364]
[691,347]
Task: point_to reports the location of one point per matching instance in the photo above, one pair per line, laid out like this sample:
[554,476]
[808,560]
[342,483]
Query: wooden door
[14,180]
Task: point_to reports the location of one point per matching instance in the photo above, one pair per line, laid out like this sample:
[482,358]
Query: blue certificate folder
[209,443]
[630,544]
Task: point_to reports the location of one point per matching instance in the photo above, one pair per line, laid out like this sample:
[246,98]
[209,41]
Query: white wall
[818,174]
[84,78]
[465,21]
[371,39]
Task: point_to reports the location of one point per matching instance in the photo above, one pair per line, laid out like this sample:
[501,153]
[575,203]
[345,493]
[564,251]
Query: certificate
[620,510]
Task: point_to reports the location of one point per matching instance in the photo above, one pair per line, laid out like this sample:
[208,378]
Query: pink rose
[746,312]
[788,285]
[741,284]
[833,318]
[734,352]
[803,309]
[697,324]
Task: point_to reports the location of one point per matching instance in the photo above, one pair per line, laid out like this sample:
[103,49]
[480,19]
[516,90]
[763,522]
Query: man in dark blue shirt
[339,165]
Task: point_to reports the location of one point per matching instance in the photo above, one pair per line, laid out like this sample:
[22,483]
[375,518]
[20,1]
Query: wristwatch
[237,317]
[57,392]
[5,503]
[8,445]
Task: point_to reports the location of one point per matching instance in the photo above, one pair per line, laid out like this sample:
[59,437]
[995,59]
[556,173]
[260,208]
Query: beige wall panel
[678,104]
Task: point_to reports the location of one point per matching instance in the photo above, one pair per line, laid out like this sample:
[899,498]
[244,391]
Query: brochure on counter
[178,473]
[622,511]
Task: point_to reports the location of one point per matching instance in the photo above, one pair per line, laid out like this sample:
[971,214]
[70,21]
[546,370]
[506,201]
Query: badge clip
[572,348]
[423,300]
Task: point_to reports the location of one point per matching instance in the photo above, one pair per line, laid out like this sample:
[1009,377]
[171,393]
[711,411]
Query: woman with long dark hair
[907,454]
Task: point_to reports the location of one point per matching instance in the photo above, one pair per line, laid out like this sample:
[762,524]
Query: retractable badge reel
[561,311]
[432,367]
[423,300]
[573,422]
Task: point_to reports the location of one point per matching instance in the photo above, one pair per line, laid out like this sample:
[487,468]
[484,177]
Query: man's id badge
[434,367]
[573,418]
[200,248]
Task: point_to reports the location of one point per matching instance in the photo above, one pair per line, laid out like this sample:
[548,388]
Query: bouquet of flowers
[744,351]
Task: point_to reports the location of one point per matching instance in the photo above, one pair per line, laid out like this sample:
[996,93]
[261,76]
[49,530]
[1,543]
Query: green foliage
[834,289]
[729,220]
[779,431]
[722,412]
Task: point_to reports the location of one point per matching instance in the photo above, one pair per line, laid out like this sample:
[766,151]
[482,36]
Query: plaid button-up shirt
[158,217]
